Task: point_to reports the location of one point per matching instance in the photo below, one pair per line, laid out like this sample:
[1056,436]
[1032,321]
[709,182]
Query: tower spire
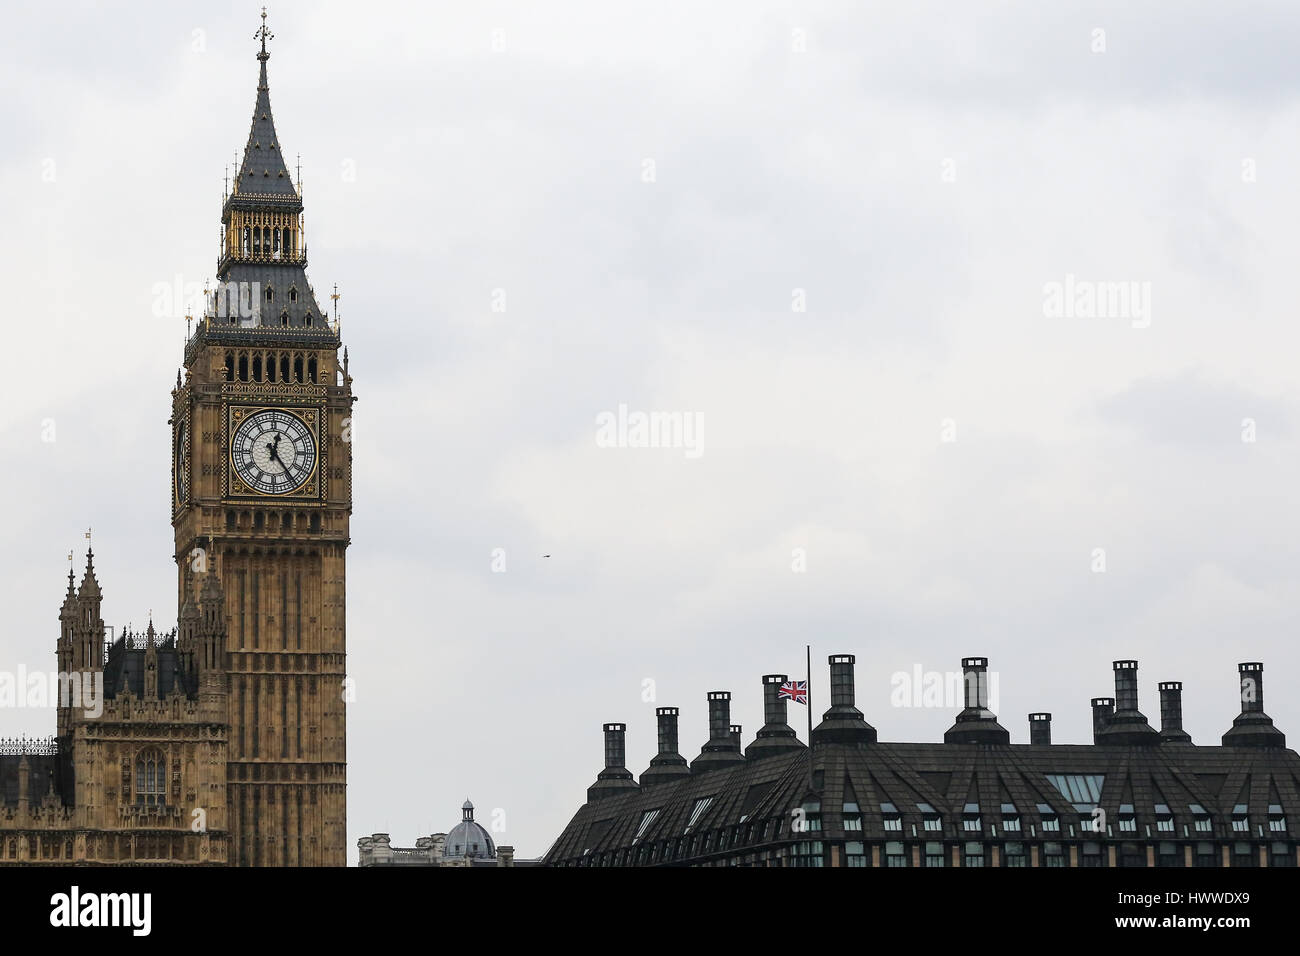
[263,170]
[265,35]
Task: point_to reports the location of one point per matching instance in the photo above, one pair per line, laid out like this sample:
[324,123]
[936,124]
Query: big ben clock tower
[262,495]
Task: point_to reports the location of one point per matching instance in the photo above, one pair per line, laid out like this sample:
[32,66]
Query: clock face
[273,451]
[182,473]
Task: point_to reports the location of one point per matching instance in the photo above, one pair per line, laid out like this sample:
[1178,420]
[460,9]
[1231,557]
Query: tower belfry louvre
[222,741]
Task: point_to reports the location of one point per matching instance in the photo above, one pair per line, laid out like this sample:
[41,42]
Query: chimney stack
[843,723]
[1253,727]
[775,736]
[1126,686]
[1102,708]
[736,731]
[668,764]
[1171,713]
[615,779]
[1127,726]
[1040,729]
[719,752]
[976,724]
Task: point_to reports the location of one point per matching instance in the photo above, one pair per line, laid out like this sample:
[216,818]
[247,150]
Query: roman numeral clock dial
[273,452]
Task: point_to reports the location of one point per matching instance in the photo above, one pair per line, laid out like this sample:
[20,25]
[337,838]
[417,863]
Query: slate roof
[43,770]
[263,171]
[947,777]
[125,669]
[292,294]
[1168,789]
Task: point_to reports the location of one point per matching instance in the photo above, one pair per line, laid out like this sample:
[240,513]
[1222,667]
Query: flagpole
[810,740]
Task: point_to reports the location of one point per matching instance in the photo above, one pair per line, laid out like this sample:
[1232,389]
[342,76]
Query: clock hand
[273,448]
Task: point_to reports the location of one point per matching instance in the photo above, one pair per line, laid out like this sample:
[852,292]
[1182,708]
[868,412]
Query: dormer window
[1164,818]
[1127,818]
[1276,818]
[852,816]
[1010,818]
[1240,819]
[284,318]
[812,815]
[893,820]
[697,809]
[970,818]
[293,295]
[647,818]
[270,294]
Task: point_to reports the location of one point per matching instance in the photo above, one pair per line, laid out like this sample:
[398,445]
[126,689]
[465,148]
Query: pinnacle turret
[89,584]
[68,609]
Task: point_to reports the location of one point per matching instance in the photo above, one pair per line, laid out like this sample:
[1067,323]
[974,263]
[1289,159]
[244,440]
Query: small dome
[469,839]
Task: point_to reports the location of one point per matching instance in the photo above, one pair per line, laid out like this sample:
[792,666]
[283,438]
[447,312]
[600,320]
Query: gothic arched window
[151,778]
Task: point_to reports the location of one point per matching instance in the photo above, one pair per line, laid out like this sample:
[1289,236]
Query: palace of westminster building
[221,742]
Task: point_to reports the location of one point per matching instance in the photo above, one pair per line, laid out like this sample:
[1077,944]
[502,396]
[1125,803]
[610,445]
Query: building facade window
[808,853]
[1244,854]
[1281,854]
[1091,854]
[1205,855]
[1013,854]
[973,855]
[934,855]
[151,778]
[855,853]
[1052,855]
[1169,854]
[895,854]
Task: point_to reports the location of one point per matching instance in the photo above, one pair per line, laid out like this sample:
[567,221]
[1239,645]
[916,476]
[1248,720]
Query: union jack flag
[795,690]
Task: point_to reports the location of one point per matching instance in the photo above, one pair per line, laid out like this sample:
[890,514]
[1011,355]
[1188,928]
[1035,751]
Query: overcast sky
[653,190]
